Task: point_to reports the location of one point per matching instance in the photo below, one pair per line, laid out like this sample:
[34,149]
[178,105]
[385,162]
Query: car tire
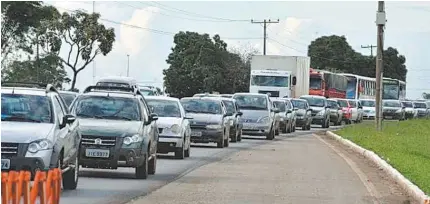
[180,152]
[71,177]
[234,138]
[188,150]
[305,127]
[141,172]
[289,128]
[152,166]
[227,142]
[271,134]
[294,128]
[220,144]
[239,137]
[277,131]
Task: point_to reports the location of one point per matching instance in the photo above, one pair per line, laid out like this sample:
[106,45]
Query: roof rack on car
[47,87]
[132,90]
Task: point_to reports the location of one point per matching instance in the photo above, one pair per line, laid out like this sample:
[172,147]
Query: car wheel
[289,128]
[220,144]
[239,137]
[277,131]
[294,127]
[234,138]
[188,150]
[152,166]
[180,152]
[227,142]
[271,134]
[71,177]
[141,172]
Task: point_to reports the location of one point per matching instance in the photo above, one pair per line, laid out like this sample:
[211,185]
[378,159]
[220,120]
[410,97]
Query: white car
[369,111]
[357,110]
[410,110]
[173,126]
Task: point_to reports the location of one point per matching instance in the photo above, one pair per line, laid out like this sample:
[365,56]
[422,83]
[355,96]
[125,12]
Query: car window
[280,105]
[26,108]
[252,102]
[164,108]
[145,109]
[317,102]
[395,104]
[332,104]
[68,98]
[230,106]
[107,107]
[353,104]
[420,105]
[59,111]
[197,105]
[299,104]
[407,104]
[366,103]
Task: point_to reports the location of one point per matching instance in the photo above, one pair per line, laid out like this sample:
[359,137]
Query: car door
[74,137]
[226,120]
[186,125]
[62,133]
[354,110]
[238,117]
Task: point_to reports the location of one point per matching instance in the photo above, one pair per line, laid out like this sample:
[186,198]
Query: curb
[408,186]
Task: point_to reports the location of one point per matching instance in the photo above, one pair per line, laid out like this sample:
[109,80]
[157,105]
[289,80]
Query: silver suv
[38,132]
[118,129]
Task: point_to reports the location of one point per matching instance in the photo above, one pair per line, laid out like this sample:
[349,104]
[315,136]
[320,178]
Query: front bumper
[207,136]
[31,164]
[409,114]
[318,120]
[255,129]
[118,157]
[300,122]
[369,116]
[168,144]
[392,115]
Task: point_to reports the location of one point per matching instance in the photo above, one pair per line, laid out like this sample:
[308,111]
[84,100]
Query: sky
[149,39]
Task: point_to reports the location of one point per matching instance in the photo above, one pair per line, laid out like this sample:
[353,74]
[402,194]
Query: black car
[303,113]
[210,123]
[118,130]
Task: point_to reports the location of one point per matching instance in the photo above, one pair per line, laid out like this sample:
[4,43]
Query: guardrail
[45,188]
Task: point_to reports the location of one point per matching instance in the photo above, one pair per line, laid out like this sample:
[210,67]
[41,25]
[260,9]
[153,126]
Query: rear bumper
[255,129]
[208,136]
[168,144]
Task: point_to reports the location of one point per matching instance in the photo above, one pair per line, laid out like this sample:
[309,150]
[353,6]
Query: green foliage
[404,145]
[201,64]
[426,95]
[335,52]
[85,37]
[51,71]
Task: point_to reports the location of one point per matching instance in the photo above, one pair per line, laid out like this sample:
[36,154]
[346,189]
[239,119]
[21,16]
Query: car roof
[25,91]
[250,94]
[277,99]
[166,98]
[299,99]
[313,96]
[205,98]
[118,79]
[110,93]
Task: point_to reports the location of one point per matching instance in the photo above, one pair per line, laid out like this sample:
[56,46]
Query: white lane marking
[363,178]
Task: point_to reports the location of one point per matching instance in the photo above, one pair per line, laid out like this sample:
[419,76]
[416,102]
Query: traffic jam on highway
[119,123]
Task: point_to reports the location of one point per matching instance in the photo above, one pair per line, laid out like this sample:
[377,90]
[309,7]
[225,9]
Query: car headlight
[231,122]
[175,129]
[38,145]
[265,119]
[213,126]
[321,113]
[130,140]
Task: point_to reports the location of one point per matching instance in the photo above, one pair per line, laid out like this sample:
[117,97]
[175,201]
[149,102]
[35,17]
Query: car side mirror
[289,111]
[239,113]
[275,110]
[67,119]
[188,118]
[153,117]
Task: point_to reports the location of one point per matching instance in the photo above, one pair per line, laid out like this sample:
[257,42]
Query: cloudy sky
[153,23]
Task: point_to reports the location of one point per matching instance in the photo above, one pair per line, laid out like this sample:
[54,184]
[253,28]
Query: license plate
[102,153]
[197,134]
[5,164]
[389,117]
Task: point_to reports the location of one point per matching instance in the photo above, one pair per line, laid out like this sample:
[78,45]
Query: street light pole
[128,65]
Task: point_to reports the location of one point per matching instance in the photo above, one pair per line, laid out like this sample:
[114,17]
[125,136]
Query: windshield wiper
[20,118]
[252,107]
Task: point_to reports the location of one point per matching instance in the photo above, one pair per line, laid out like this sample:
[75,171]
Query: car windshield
[391,104]
[332,104]
[26,108]
[201,106]
[280,105]
[407,104]
[317,102]
[366,103]
[299,104]
[353,104]
[107,107]
[68,98]
[343,103]
[164,108]
[252,102]
[276,81]
[230,106]
[420,105]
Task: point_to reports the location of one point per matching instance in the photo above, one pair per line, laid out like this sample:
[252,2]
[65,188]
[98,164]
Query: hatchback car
[320,110]
[303,113]
[393,109]
[38,132]
[356,110]
[210,123]
[173,126]
[235,122]
[410,111]
[369,111]
[346,110]
[283,112]
[118,129]
[422,109]
[336,115]
[291,115]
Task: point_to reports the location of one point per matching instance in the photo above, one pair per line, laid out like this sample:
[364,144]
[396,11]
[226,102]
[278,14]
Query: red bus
[327,84]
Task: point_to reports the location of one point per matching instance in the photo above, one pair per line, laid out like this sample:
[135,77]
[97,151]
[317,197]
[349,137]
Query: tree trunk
[75,74]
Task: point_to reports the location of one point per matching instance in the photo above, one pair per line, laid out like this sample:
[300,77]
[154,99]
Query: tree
[52,72]
[335,52]
[85,37]
[426,96]
[241,57]
[18,19]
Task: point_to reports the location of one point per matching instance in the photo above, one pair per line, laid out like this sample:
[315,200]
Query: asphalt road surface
[120,186]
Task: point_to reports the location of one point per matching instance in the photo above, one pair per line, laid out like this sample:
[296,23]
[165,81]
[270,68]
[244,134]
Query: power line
[265,22]
[371,48]
[169,8]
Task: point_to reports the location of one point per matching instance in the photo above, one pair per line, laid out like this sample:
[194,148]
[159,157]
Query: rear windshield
[343,103]
[353,104]
[281,105]
[298,104]
[332,104]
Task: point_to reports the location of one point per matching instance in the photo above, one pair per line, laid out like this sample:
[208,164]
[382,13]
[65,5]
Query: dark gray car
[393,109]
[320,110]
[210,123]
[336,115]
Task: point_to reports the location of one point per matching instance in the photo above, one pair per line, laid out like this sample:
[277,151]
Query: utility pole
[37,57]
[380,22]
[265,22]
[128,65]
[94,61]
[371,48]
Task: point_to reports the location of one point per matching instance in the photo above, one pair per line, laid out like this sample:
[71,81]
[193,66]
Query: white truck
[280,76]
